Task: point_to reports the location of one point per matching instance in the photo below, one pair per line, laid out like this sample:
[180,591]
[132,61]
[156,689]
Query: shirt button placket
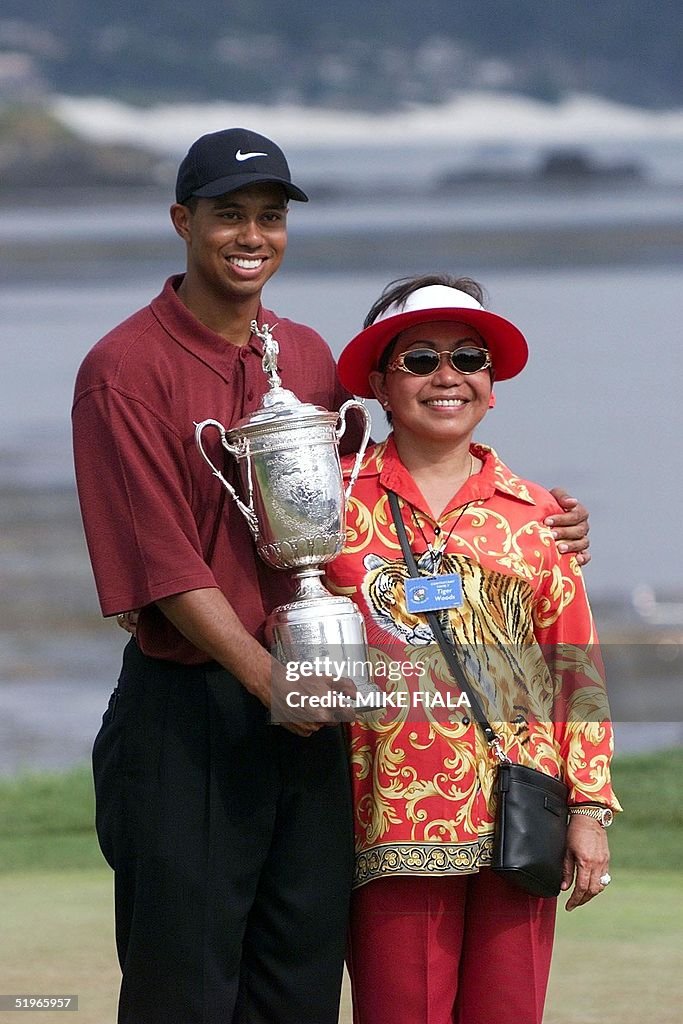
[251,367]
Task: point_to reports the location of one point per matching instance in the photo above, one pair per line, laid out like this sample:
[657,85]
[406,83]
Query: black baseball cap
[225,161]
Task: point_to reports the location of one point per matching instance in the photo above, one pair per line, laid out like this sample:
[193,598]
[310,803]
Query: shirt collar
[191,334]
[385,463]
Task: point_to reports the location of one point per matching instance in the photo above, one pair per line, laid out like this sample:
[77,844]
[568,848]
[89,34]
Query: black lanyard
[446,649]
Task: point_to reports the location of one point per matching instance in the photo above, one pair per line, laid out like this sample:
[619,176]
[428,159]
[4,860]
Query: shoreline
[97,234]
[331,251]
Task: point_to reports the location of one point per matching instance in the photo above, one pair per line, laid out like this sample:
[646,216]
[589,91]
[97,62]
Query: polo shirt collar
[203,343]
[494,477]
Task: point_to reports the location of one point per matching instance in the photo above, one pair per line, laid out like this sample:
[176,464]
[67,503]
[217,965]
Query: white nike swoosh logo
[239,155]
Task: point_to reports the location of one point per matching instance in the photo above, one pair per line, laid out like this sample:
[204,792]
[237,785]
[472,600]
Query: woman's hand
[586,860]
[570,529]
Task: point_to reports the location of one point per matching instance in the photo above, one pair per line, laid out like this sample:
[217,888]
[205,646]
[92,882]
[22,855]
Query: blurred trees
[352,53]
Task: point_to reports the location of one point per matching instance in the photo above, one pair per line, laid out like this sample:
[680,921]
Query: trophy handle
[241,449]
[354,403]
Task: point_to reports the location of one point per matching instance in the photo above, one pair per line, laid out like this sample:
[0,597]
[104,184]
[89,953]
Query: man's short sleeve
[135,492]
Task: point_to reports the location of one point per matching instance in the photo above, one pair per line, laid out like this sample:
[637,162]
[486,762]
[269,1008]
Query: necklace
[435,553]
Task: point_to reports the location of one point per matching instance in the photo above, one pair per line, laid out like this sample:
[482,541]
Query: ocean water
[597,410]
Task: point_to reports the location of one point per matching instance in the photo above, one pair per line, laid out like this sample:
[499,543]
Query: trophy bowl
[293,469]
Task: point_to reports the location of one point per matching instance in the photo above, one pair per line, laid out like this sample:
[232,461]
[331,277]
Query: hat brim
[505,342]
[233,182]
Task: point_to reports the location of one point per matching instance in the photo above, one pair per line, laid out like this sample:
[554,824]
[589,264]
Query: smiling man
[230,838]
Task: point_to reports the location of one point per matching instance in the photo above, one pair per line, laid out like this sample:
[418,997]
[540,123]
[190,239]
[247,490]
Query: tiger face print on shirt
[496,644]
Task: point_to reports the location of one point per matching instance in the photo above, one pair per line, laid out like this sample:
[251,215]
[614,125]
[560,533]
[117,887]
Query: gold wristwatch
[603,815]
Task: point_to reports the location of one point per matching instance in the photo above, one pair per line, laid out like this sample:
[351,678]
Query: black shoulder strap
[446,649]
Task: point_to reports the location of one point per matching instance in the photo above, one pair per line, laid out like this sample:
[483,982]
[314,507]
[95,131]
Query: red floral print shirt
[422,771]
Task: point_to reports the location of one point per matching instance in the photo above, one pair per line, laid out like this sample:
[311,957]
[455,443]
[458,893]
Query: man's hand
[586,860]
[310,702]
[208,620]
[129,621]
[570,529]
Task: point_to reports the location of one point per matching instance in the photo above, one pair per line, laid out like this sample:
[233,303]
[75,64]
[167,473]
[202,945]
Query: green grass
[618,959]
[648,834]
[42,804]
[46,820]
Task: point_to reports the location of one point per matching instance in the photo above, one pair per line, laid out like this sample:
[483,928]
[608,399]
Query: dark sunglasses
[424,361]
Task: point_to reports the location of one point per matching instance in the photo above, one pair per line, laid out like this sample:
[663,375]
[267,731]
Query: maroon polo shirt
[151,508]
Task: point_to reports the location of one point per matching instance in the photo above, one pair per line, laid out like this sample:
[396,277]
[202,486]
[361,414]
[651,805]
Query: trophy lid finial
[271,351]
[277,396]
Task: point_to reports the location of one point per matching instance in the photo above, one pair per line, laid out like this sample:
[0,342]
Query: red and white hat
[435,303]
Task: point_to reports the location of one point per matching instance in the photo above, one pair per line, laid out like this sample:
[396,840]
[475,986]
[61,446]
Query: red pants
[469,949]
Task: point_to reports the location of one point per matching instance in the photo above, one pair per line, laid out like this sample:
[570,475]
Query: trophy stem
[310,584]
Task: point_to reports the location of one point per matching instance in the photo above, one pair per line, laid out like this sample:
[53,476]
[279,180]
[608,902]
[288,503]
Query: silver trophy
[295,505]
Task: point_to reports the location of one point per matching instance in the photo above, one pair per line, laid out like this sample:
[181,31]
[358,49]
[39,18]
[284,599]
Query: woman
[435,934]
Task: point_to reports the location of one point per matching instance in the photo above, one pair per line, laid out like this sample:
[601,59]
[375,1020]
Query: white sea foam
[477,118]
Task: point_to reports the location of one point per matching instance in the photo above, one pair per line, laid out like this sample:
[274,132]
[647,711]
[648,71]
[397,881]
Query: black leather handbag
[531,828]
[531,807]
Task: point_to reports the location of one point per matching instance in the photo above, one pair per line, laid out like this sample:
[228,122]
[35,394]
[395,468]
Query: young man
[230,838]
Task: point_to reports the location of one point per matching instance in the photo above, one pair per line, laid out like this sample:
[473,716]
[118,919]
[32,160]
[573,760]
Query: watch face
[606,817]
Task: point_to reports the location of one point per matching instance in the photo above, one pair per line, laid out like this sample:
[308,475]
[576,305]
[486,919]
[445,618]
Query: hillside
[350,54]
[37,151]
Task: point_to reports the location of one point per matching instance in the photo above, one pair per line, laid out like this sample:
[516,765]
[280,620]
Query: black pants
[231,843]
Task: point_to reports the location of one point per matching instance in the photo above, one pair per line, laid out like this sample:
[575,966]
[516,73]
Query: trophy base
[327,631]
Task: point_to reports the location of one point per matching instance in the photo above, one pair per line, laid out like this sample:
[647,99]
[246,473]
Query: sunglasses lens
[469,360]
[421,362]
[424,361]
